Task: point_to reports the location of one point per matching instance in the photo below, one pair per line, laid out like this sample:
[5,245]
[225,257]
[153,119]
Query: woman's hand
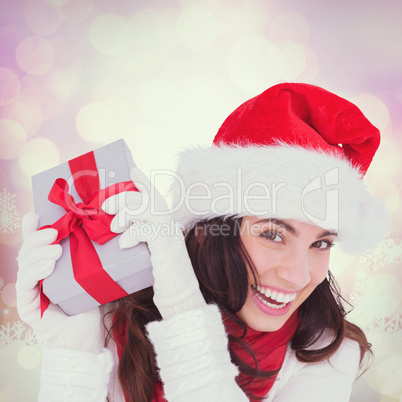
[36,260]
[144,217]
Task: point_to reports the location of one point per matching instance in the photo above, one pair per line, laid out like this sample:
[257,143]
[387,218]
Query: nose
[294,268]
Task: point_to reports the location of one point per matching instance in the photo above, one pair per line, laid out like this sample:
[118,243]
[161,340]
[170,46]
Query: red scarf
[269,349]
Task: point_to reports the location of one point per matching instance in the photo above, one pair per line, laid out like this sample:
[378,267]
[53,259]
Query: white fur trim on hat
[283,182]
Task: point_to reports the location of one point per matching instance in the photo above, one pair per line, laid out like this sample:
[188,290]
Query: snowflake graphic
[387,252]
[17,332]
[376,306]
[20,362]
[390,325]
[9,215]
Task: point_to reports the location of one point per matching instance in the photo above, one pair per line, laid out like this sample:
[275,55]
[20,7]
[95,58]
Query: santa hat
[296,151]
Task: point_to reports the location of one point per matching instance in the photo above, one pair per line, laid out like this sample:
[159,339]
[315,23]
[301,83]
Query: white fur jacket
[195,366]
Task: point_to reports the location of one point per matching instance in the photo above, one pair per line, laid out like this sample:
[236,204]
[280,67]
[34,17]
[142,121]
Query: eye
[271,235]
[322,244]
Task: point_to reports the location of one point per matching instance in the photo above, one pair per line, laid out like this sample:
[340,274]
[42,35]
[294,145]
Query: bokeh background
[163,75]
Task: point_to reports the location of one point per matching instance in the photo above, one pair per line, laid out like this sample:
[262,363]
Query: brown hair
[137,370]
[221,264]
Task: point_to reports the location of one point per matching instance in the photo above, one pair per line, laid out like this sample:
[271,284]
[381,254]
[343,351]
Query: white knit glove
[144,217]
[36,261]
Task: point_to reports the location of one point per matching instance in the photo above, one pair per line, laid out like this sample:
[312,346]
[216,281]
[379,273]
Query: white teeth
[280,298]
[275,306]
[275,295]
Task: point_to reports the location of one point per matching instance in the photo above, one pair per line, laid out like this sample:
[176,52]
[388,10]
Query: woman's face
[291,258]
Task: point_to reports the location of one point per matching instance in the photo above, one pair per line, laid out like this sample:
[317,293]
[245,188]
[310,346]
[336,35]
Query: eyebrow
[328,233]
[294,231]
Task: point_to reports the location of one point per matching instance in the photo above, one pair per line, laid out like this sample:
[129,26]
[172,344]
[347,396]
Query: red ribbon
[83,222]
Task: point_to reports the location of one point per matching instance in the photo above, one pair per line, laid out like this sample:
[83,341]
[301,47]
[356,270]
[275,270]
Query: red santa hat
[296,151]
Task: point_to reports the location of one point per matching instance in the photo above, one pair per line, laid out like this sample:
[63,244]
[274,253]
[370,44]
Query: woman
[261,210]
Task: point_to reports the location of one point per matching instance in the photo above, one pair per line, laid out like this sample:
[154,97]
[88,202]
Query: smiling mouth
[272,298]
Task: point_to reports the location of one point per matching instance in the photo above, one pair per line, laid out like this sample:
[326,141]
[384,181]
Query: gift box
[92,270]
